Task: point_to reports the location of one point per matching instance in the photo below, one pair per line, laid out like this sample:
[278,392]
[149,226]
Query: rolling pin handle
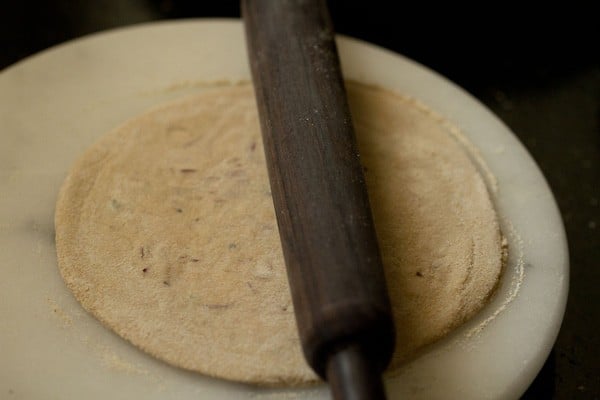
[352,376]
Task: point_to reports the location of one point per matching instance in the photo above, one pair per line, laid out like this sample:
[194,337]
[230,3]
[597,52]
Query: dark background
[537,69]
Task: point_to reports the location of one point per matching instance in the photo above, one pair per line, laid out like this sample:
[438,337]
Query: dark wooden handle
[325,223]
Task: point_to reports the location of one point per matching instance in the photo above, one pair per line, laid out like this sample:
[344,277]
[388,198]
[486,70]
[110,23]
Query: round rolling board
[56,104]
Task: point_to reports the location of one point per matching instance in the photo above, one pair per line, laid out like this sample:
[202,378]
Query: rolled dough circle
[165,232]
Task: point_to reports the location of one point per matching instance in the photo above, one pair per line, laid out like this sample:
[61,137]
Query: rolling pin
[325,224]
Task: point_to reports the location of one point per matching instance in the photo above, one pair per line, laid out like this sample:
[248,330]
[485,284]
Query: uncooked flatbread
[165,231]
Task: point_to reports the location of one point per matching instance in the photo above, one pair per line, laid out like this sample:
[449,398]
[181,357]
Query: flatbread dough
[165,231]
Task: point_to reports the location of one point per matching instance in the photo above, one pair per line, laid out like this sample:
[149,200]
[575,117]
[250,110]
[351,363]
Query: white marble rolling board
[57,103]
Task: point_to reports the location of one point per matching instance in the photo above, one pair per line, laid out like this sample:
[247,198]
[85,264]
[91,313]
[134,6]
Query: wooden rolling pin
[325,224]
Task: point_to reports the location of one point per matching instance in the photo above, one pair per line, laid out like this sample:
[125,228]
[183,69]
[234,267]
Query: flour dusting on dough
[166,232]
[515,282]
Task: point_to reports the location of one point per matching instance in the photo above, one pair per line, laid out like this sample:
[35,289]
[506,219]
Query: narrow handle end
[352,375]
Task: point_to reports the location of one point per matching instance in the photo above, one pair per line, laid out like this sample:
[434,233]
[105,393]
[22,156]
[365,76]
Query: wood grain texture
[325,223]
